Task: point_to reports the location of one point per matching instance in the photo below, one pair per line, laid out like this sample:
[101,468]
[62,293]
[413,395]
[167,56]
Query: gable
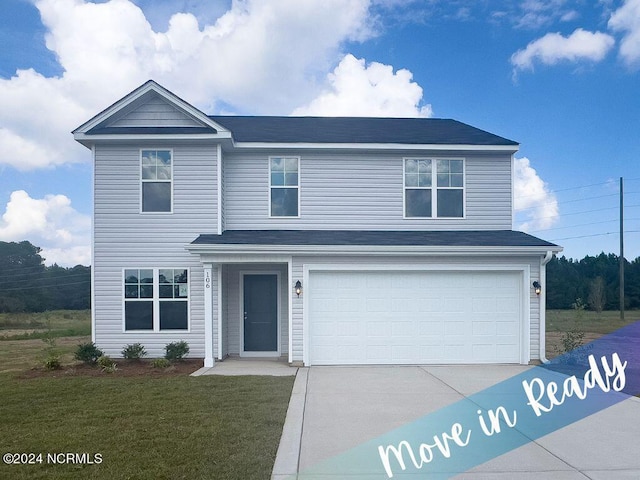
[152,111]
[149,111]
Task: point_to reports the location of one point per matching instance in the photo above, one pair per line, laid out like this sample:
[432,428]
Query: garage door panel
[414,317]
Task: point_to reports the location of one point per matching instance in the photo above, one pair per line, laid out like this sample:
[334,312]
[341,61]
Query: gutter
[543,306]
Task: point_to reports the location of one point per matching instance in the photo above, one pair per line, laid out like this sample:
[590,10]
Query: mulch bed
[125,368]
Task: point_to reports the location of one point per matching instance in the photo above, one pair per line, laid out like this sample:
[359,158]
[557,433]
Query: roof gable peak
[185,114]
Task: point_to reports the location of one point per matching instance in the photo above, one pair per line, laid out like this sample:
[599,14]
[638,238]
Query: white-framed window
[156,180]
[284,186]
[156,299]
[433,187]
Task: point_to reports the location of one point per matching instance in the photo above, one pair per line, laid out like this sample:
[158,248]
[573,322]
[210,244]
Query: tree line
[594,280]
[27,285]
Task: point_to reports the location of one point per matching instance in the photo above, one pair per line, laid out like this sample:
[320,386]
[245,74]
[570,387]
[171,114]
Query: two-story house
[322,240]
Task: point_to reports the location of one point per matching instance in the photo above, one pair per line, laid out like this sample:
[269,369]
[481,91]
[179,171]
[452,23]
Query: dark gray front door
[260,313]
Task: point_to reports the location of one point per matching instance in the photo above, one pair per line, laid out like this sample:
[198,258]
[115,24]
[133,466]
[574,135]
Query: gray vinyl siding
[362,191]
[125,238]
[300,262]
[155,112]
[232,314]
[223,209]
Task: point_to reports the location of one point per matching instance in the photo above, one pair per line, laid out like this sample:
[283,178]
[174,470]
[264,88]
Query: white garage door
[414,317]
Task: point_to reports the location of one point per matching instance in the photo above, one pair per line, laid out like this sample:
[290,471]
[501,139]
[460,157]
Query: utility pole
[621,250]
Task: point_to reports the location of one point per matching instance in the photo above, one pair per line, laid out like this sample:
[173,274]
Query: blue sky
[561,77]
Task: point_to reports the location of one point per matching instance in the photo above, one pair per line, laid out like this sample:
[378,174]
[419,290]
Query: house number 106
[207,280]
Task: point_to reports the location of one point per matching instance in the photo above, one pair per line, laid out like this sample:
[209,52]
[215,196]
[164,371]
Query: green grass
[61,323]
[173,427]
[145,428]
[592,322]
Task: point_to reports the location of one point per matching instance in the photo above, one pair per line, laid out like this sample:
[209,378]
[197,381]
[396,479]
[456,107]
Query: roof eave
[376,146]
[249,249]
[89,140]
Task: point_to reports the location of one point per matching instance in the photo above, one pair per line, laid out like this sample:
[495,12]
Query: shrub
[52,362]
[105,361]
[52,358]
[88,353]
[134,352]
[107,364]
[176,350]
[572,341]
[160,363]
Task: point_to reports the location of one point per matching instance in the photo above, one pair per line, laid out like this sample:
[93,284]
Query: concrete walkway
[333,409]
[248,366]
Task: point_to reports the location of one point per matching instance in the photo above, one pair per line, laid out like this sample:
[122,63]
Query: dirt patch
[125,368]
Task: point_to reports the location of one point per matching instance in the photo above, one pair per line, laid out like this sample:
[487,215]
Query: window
[434,188]
[156,168]
[283,186]
[138,294]
[156,299]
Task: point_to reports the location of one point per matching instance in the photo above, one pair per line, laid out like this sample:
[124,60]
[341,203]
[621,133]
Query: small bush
[176,350]
[134,352]
[160,363]
[52,353]
[105,361]
[88,353]
[107,364]
[52,362]
[572,341]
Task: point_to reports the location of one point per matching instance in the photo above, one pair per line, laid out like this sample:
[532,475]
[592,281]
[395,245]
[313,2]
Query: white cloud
[535,206]
[357,89]
[535,14]
[554,48]
[259,57]
[50,223]
[627,19]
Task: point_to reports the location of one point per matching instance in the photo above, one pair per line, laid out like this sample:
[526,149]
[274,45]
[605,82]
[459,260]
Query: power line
[41,287]
[594,235]
[37,276]
[569,201]
[586,211]
[570,188]
[581,225]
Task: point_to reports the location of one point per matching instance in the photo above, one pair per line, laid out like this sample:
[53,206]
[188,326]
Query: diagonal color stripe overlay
[501,418]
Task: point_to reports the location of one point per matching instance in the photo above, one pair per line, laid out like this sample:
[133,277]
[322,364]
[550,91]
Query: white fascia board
[376,146]
[88,140]
[224,249]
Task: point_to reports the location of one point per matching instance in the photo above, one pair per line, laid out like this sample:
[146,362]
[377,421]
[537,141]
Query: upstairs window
[433,188]
[284,186]
[156,175]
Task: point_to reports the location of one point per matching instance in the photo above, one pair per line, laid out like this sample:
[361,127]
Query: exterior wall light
[537,287]
[298,287]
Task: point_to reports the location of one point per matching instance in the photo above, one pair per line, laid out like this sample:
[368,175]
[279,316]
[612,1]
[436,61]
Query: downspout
[543,306]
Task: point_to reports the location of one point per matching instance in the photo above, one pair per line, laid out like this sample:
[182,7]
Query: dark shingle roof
[484,238]
[429,131]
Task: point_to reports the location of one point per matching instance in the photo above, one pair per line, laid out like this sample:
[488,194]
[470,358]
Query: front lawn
[158,426]
[145,428]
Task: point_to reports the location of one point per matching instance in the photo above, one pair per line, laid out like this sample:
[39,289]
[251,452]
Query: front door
[260,318]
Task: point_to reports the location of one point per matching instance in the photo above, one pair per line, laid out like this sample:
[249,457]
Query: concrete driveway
[333,409]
